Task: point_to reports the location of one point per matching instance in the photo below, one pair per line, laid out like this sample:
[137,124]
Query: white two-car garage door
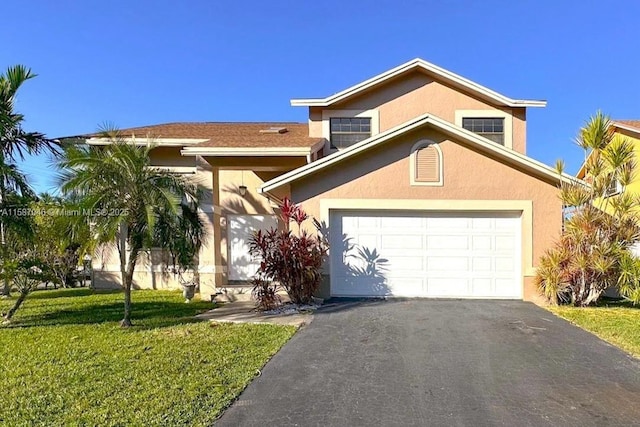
[426,254]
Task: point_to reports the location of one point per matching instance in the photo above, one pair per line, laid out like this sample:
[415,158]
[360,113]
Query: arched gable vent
[426,162]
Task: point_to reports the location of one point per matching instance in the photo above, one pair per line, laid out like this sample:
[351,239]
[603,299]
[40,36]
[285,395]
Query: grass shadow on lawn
[47,294]
[150,309]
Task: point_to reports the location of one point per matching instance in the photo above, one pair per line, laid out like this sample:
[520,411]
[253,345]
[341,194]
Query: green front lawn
[65,360]
[614,322]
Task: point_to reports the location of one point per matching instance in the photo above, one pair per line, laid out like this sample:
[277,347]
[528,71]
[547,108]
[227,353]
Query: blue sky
[139,62]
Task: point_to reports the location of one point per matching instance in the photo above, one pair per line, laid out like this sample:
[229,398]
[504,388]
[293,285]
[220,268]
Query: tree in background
[134,204]
[15,143]
[62,236]
[592,253]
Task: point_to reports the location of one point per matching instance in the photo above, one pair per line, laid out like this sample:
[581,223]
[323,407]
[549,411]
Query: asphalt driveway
[441,362]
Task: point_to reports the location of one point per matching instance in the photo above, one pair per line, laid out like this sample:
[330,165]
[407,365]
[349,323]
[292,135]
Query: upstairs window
[490,128]
[346,131]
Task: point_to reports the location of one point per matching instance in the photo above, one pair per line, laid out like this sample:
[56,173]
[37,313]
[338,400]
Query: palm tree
[15,142]
[590,255]
[131,202]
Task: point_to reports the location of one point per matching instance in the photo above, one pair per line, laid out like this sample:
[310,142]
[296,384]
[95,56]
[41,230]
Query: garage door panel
[504,264]
[394,241]
[434,254]
[449,264]
[363,286]
[505,287]
[367,241]
[505,243]
[448,223]
[395,223]
[482,286]
[480,264]
[448,242]
[505,223]
[447,287]
[482,223]
[398,264]
[481,242]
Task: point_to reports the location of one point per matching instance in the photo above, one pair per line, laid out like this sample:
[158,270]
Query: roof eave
[626,127]
[327,102]
[249,152]
[428,67]
[253,151]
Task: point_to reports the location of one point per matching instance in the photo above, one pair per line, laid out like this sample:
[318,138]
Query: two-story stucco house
[422,165]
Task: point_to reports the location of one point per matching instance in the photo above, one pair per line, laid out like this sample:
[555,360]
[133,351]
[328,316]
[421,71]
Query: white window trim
[412,164]
[619,189]
[332,114]
[489,114]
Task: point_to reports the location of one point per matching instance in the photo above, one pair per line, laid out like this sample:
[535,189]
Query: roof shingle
[229,134]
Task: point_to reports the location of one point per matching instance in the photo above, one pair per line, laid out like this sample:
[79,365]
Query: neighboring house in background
[418,163]
[630,130]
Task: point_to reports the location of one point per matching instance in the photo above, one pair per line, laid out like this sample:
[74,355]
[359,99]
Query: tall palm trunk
[6,287]
[128,281]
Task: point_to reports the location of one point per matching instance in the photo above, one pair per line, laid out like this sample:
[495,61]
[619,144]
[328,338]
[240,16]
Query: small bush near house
[593,252]
[292,261]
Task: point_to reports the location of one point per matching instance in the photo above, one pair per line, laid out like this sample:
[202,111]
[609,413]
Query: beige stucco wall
[221,197]
[413,94]
[383,173]
[170,156]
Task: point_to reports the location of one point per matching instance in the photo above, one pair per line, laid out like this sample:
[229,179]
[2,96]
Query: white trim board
[143,141]
[428,67]
[253,151]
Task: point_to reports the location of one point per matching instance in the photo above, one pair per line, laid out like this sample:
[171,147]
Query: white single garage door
[420,254]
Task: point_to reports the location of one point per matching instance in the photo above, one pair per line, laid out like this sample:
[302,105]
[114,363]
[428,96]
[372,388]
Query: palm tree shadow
[364,268]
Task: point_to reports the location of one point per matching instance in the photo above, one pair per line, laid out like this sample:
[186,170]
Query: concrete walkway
[246,312]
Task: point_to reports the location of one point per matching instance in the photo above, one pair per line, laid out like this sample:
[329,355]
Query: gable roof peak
[425,66]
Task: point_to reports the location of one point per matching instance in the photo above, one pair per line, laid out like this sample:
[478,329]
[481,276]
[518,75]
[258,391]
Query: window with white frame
[614,187]
[346,131]
[491,128]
